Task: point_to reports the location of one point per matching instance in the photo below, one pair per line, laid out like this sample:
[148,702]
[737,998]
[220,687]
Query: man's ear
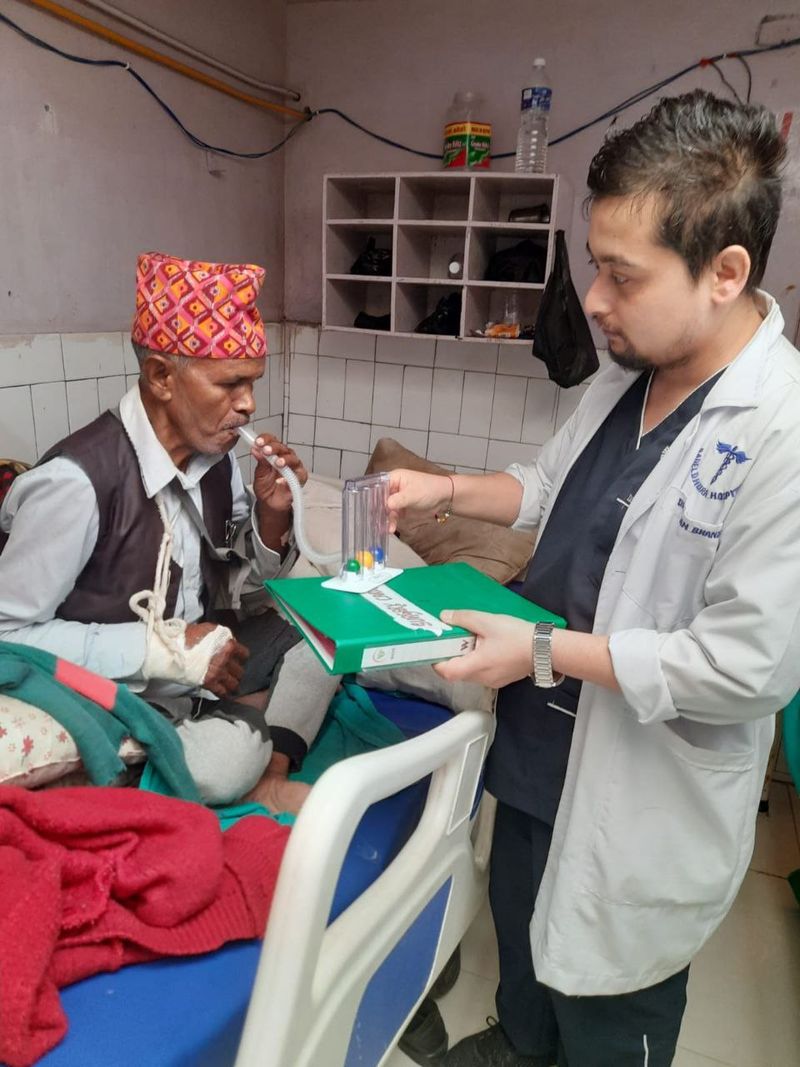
[158,372]
[730,270]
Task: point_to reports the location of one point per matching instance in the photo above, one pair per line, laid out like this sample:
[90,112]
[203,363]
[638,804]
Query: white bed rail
[311,976]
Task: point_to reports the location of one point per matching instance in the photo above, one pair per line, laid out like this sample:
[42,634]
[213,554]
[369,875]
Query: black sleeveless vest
[130,529]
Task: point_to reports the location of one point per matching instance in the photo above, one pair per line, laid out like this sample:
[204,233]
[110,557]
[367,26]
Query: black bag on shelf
[523,262]
[562,338]
[445,318]
[363,321]
[376,262]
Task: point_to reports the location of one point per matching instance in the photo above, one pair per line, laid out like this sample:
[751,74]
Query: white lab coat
[701,599]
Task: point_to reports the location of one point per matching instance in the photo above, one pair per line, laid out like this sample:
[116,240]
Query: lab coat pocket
[689,548]
[672,828]
[697,536]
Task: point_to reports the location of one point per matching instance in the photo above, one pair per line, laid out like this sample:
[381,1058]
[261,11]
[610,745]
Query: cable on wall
[746,66]
[304,117]
[378,136]
[118,63]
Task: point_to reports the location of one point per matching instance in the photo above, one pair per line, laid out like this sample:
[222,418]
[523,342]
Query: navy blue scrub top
[528,760]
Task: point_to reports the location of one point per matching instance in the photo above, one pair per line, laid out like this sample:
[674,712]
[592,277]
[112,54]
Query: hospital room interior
[399,576]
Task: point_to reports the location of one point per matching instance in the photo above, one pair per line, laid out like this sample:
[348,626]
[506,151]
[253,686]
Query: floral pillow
[35,749]
[9,470]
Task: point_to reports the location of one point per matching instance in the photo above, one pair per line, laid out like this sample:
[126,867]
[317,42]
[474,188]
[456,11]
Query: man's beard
[630,359]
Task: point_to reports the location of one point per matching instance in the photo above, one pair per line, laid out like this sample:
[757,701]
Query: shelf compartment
[484,304]
[414,301]
[410,280]
[344,244]
[536,287]
[425,218]
[484,244]
[368,278]
[497,195]
[424,250]
[371,225]
[512,229]
[346,296]
[370,197]
[435,196]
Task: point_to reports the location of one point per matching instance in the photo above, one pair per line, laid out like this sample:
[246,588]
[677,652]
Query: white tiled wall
[472,407]
[330,395]
[52,384]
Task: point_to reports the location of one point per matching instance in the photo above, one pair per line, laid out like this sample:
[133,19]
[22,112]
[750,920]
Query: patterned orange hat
[188,308]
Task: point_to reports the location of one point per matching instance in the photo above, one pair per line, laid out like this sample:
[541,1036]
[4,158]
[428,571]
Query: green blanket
[791,739]
[351,726]
[791,747]
[31,675]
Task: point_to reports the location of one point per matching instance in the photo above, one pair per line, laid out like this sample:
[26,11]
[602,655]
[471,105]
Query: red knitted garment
[92,879]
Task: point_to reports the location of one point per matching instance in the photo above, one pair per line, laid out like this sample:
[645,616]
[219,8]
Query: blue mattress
[149,1015]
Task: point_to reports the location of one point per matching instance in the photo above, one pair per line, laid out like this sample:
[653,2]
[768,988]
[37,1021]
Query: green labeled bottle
[467,134]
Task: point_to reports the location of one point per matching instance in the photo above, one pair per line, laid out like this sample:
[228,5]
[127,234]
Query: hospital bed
[384,871]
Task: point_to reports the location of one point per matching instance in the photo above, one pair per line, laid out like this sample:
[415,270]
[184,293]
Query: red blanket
[93,878]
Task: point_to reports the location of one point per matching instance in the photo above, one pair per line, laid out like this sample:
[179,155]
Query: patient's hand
[271,490]
[226,667]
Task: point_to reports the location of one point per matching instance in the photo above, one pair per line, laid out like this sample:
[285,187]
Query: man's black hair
[714,168]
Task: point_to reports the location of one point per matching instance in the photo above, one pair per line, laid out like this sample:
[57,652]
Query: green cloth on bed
[29,675]
[351,726]
[791,748]
[791,739]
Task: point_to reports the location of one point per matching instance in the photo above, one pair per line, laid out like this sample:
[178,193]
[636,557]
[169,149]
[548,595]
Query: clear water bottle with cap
[533,121]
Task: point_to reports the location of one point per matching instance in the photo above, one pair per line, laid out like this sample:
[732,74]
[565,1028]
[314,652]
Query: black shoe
[448,977]
[425,1039]
[363,321]
[491,1048]
[445,318]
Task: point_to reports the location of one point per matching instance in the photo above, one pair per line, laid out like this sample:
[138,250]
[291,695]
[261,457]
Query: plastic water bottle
[534,114]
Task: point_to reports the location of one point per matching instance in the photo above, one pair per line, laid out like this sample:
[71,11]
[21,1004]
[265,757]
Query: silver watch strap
[542,657]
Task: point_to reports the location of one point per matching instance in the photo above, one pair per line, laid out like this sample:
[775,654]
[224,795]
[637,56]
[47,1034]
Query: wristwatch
[542,657]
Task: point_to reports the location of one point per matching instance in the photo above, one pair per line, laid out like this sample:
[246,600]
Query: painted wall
[395,66]
[93,172]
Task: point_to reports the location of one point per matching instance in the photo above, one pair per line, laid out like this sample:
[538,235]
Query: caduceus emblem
[732,454]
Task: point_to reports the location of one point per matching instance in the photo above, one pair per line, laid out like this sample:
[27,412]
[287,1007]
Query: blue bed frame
[190,1012]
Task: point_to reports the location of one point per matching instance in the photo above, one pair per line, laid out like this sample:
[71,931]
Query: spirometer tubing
[296,490]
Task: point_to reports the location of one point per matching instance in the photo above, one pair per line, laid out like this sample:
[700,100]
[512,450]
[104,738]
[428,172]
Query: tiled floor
[744,987]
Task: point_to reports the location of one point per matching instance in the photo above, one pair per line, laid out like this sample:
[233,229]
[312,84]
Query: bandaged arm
[53,520]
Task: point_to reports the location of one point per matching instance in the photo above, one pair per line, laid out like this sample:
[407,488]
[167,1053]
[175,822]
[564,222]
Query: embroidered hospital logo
[732,456]
[731,453]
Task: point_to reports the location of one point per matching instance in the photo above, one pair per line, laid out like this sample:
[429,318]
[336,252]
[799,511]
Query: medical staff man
[631,748]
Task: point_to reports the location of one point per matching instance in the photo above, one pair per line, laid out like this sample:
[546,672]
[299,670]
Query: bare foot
[278,794]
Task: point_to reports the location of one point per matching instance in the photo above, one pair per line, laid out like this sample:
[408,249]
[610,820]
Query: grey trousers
[227,744]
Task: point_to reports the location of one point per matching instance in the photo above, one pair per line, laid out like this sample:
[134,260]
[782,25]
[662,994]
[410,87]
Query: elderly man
[631,748]
[125,540]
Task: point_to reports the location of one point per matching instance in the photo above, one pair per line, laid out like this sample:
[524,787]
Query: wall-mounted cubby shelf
[425,220]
